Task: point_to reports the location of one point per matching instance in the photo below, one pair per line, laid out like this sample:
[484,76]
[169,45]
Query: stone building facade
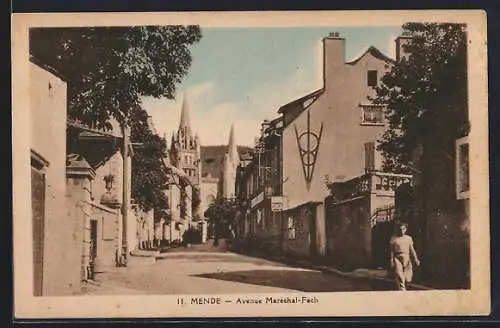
[259,187]
[206,172]
[50,228]
[231,162]
[339,119]
[327,168]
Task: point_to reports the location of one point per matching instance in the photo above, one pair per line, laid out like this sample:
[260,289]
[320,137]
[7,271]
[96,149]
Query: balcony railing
[369,183]
[388,182]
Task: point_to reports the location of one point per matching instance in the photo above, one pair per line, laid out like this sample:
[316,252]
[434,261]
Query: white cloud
[212,120]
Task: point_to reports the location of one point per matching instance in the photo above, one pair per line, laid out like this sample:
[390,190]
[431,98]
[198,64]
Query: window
[372,114]
[372,78]
[291,228]
[462,168]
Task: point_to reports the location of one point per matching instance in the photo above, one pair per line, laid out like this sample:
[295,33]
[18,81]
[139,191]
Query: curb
[179,254]
[145,253]
[366,276]
[353,275]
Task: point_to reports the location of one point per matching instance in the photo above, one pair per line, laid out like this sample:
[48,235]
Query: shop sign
[277,203]
[259,198]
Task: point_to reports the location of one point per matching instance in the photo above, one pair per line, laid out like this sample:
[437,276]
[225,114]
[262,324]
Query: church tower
[185,147]
[231,162]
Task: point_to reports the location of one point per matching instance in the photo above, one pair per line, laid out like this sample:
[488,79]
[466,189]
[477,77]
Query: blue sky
[241,76]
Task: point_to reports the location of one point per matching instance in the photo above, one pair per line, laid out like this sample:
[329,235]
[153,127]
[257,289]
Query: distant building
[314,187]
[259,187]
[231,162]
[338,121]
[329,139]
[210,172]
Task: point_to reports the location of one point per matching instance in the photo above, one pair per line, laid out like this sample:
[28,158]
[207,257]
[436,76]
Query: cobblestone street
[223,273]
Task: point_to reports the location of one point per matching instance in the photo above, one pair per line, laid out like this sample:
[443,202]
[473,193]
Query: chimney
[401,41]
[333,55]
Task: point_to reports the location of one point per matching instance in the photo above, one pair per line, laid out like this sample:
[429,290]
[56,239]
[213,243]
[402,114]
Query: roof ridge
[374,51]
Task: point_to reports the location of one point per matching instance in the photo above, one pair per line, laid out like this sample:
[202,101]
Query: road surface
[221,273]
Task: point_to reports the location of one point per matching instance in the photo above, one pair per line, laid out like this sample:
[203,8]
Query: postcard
[250,164]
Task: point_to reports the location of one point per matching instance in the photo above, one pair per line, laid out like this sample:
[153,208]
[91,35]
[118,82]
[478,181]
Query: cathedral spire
[231,146]
[185,123]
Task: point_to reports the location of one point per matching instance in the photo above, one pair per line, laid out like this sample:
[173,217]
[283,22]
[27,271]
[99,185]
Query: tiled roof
[303,99]
[212,159]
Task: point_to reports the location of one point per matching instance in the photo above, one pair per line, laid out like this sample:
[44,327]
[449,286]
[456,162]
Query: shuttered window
[372,79]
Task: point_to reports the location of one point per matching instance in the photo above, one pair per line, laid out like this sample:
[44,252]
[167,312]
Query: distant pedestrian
[402,254]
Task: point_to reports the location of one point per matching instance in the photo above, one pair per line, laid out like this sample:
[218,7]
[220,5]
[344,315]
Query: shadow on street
[306,281]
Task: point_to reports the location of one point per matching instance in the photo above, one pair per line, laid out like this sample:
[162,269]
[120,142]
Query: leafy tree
[108,70]
[195,202]
[111,68]
[149,176]
[221,215]
[425,93]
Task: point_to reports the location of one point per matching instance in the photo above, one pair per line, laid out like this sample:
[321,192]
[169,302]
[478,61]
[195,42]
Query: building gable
[373,52]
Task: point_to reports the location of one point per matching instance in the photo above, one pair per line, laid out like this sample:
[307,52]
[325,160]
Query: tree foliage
[149,176]
[195,202]
[221,214]
[110,68]
[426,93]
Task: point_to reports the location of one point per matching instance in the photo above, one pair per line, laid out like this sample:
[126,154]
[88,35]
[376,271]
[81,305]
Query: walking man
[402,254]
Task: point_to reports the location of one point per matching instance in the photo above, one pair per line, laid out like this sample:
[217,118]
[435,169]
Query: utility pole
[126,192]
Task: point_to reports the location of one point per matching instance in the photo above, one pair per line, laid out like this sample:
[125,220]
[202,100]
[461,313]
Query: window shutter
[372,78]
[369,156]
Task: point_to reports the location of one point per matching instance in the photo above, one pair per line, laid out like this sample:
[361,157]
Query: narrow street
[221,273]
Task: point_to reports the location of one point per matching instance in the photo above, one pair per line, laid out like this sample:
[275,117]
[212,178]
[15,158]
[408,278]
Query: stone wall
[348,233]
[47,131]
[78,214]
[113,166]
[300,231]
[107,236]
[145,228]
[446,254]
[264,225]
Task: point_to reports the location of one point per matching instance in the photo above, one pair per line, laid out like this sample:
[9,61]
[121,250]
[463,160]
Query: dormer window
[372,78]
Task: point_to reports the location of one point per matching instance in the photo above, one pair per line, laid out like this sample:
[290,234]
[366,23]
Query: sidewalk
[207,248]
[99,288]
[381,275]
